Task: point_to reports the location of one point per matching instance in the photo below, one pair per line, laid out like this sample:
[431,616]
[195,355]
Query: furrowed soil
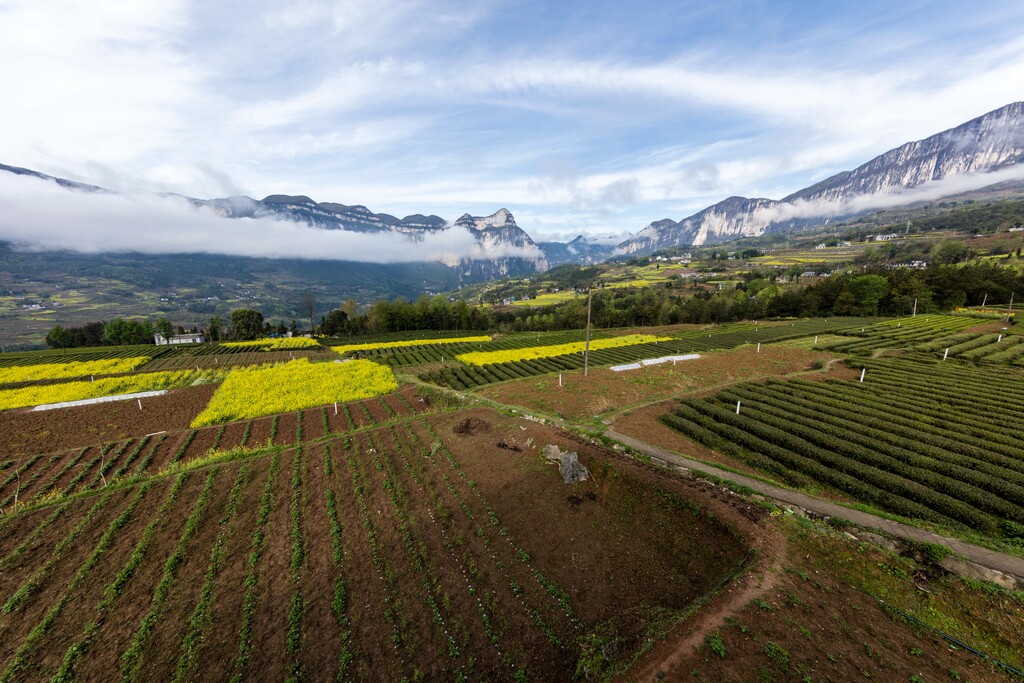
[286,424]
[79,609]
[79,469]
[604,391]
[219,647]
[463,551]
[27,431]
[274,583]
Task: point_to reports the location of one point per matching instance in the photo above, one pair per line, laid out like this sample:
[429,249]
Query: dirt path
[990,559]
[752,583]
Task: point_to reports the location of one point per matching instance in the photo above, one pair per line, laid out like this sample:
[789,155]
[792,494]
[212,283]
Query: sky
[591,117]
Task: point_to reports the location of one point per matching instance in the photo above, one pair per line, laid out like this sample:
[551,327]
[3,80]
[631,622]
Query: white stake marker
[140,403]
[759,347]
[559,379]
[862,371]
[815,340]
[737,407]
[335,407]
[945,355]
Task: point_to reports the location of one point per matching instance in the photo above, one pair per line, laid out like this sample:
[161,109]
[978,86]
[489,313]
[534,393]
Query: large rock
[569,465]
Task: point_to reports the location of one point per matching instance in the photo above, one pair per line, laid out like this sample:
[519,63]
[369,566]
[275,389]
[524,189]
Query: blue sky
[592,117]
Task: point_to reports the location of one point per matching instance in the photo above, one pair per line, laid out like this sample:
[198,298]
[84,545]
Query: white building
[179,339]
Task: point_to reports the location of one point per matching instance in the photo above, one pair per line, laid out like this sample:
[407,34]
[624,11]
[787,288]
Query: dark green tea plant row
[900,333]
[919,438]
[1005,347]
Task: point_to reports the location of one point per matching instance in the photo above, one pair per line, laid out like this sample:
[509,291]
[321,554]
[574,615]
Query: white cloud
[414,106]
[92,81]
[39,215]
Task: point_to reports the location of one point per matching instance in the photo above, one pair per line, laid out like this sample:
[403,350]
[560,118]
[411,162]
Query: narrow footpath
[991,559]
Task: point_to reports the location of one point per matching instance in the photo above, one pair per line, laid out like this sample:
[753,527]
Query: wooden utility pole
[586,347]
[1009,309]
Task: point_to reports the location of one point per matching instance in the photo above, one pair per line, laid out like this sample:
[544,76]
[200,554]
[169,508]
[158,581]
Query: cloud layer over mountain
[581,117]
[39,215]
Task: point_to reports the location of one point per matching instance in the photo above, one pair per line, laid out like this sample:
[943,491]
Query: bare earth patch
[27,432]
[605,391]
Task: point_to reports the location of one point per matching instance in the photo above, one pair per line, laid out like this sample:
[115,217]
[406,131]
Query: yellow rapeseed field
[266,390]
[410,342]
[531,352]
[111,386]
[274,344]
[110,366]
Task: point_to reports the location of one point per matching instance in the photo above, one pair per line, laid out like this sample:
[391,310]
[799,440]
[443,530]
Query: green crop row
[131,657]
[257,544]
[11,671]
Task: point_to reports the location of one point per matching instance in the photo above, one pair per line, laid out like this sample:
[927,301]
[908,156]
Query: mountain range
[975,152]
[991,142]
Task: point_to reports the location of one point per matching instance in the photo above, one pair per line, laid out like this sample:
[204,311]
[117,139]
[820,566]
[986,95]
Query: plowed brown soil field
[410,549]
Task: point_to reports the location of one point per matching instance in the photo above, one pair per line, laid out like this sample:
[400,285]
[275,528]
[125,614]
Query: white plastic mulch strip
[101,399]
[654,361]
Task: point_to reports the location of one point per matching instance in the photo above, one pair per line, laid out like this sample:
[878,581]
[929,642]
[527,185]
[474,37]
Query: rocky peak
[502,218]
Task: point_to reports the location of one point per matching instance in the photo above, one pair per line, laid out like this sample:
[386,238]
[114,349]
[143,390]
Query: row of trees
[876,290]
[117,332]
[244,324]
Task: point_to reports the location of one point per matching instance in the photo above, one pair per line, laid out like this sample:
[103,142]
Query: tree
[246,323]
[867,291]
[948,252]
[58,337]
[216,326]
[309,308]
[116,331]
[334,323]
[164,327]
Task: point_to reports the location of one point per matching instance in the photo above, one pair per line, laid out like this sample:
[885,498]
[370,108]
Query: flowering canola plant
[111,386]
[109,366]
[410,342]
[273,344]
[266,390]
[531,352]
